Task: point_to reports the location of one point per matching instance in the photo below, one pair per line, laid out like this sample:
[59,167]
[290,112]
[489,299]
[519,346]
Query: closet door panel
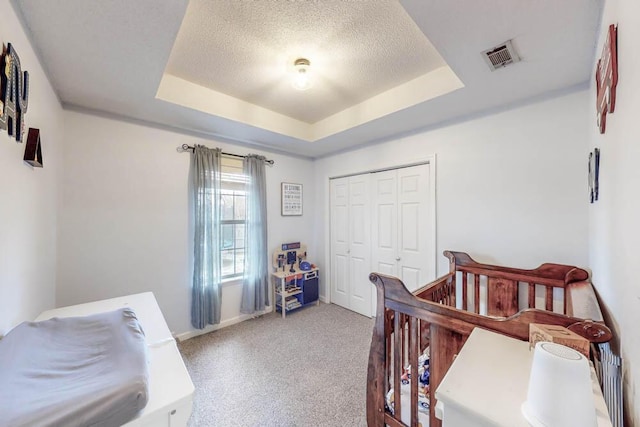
[413,225]
[410,219]
[384,234]
[360,295]
[341,291]
[360,245]
[340,242]
[411,277]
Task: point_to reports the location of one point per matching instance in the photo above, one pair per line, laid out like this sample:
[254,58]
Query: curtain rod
[186,147]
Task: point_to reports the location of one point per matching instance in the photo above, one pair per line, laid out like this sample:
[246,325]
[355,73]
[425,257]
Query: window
[232,217]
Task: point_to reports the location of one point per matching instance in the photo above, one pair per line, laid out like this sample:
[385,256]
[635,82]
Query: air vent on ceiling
[501,55]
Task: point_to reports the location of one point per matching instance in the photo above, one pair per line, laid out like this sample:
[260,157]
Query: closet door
[351,243]
[360,288]
[402,244]
[384,234]
[380,222]
[339,194]
[415,244]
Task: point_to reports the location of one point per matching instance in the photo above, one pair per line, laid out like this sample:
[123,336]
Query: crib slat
[532,295]
[476,296]
[413,357]
[410,340]
[388,327]
[403,336]
[397,362]
[549,295]
[464,291]
[424,333]
[454,290]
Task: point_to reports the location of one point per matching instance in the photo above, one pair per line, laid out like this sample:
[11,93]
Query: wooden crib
[501,299]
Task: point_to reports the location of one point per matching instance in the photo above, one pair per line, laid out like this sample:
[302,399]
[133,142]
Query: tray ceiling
[383,68]
[247,50]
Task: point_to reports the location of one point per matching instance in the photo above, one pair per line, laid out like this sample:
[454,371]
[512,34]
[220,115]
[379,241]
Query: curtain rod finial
[184,147]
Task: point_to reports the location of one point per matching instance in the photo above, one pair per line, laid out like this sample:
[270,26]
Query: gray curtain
[255,284]
[207,290]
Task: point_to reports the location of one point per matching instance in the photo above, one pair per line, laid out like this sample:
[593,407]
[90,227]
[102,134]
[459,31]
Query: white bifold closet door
[351,243]
[380,222]
[402,243]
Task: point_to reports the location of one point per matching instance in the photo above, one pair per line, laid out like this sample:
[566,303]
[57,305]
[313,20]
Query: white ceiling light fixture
[302,78]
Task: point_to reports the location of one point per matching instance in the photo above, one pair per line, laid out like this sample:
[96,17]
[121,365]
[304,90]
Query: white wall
[511,187]
[124,217]
[613,220]
[28,196]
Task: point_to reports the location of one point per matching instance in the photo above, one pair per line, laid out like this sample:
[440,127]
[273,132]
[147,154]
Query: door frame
[432,259]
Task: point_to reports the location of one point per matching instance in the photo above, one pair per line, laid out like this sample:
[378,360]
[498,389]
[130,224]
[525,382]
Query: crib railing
[442,290]
[509,290]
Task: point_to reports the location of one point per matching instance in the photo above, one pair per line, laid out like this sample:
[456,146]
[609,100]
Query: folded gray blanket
[74,371]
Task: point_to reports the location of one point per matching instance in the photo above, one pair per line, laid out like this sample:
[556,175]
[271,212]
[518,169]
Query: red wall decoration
[607,78]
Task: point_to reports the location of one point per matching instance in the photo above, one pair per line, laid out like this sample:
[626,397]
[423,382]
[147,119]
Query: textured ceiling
[357,49]
[109,57]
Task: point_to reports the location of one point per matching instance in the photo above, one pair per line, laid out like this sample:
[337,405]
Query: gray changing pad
[75,371]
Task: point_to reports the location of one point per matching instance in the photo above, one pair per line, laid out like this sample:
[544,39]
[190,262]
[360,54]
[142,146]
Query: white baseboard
[223,324]
[228,322]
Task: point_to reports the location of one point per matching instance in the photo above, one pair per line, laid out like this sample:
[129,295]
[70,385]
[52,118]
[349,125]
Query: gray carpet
[306,370]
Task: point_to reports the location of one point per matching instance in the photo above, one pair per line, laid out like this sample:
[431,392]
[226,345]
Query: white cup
[560,392]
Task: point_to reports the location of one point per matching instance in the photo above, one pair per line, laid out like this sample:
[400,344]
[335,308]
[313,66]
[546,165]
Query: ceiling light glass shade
[302,79]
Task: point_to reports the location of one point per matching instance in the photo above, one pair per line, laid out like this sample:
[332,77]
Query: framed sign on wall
[291,199]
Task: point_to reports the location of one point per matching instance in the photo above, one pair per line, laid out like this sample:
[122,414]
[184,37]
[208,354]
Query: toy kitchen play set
[295,280]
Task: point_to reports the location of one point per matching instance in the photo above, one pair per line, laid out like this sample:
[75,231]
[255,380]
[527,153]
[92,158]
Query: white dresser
[170,386]
[487,384]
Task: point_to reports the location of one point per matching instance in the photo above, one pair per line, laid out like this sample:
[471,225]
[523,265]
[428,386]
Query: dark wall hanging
[607,78]
[594,175]
[14,94]
[33,150]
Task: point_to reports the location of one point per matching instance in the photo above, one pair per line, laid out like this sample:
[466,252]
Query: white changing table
[170,386]
[487,384]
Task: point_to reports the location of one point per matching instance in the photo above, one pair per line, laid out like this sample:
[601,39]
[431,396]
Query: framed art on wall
[291,199]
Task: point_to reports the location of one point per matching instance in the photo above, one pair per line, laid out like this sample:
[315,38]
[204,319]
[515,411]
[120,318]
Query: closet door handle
[348,251]
[398,258]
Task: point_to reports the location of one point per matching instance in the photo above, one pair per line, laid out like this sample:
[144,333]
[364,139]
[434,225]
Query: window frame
[235,178]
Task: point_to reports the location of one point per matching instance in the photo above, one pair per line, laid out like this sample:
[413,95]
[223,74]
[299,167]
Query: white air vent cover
[501,56]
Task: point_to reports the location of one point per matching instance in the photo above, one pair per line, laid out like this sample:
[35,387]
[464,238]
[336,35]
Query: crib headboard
[559,288]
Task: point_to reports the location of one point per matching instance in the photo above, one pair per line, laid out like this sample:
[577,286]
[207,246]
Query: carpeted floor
[306,370]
